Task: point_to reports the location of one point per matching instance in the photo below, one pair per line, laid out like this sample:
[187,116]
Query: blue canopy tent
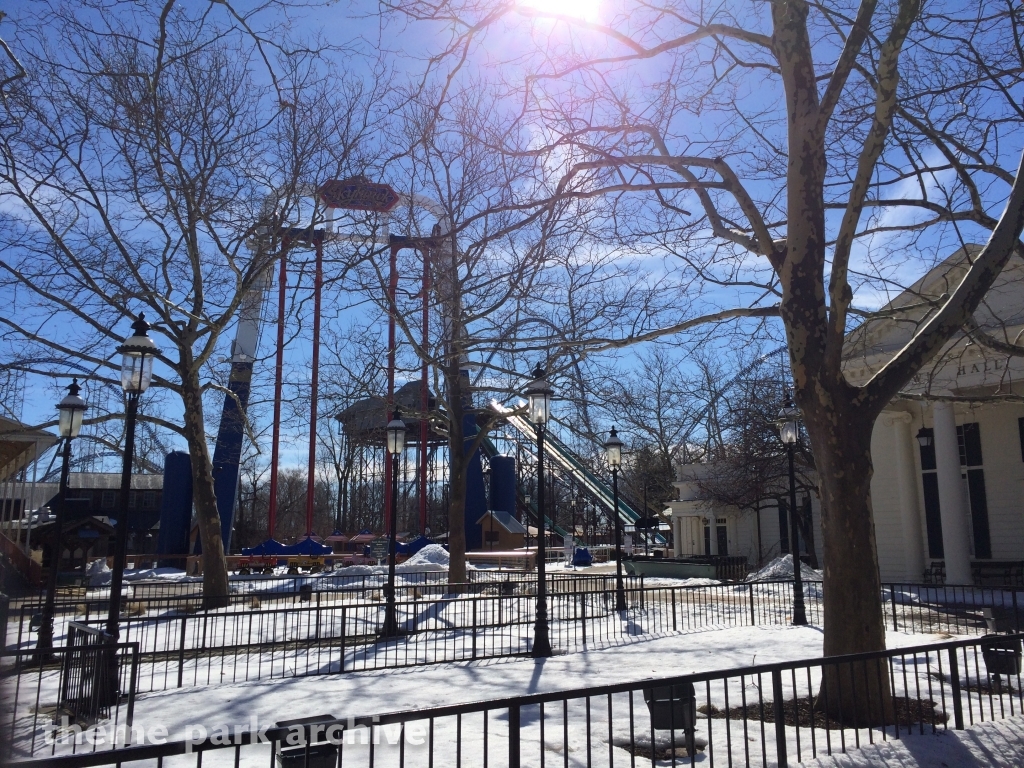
[269,547]
[309,546]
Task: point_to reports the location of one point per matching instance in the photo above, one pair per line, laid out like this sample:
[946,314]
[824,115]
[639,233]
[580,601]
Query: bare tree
[137,156]
[817,144]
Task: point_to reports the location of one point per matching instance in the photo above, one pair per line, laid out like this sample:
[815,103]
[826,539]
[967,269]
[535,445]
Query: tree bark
[215,569]
[458,462]
[853,618]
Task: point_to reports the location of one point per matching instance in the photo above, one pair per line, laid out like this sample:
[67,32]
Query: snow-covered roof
[505,520]
[105,481]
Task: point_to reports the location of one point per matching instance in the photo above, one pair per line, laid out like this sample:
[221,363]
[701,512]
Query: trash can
[1002,655]
[674,708]
[1000,619]
[322,754]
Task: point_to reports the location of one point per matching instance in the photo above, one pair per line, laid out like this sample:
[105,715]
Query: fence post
[513,735]
[181,651]
[753,614]
[675,626]
[474,627]
[1016,616]
[131,687]
[342,639]
[954,681]
[892,598]
[583,615]
[316,635]
[778,709]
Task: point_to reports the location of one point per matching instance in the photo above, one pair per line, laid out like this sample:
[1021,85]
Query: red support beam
[278,373]
[318,280]
[392,309]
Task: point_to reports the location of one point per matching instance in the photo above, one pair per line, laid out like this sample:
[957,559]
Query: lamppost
[396,432]
[789,430]
[647,520]
[72,410]
[539,393]
[137,353]
[490,510]
[613,452]
[527,498]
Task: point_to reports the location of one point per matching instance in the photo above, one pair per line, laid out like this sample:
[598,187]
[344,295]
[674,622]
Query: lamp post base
[390,633]
[541,643]
[799,615]
[620,595]
[44,644]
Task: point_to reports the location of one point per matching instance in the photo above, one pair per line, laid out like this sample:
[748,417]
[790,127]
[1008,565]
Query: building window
[148,499]
[932,515]
[968,437]
[109,499]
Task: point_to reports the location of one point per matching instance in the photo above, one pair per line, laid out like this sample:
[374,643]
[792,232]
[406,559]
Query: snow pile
[668,581]
[781,569]
[160,574]
[98,573]
[698,582]
[353,570]
[432,557]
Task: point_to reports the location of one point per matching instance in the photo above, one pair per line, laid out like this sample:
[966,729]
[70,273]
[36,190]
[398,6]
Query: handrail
[564,457]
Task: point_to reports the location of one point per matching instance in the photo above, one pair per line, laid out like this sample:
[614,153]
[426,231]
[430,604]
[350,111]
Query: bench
[990,573]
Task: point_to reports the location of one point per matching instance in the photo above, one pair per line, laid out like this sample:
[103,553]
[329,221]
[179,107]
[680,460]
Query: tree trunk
[853,617]
[458,462]
[215,567]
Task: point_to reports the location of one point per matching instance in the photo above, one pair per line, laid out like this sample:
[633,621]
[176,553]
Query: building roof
[505,520]
[962,367]
[366,420]
[20,445]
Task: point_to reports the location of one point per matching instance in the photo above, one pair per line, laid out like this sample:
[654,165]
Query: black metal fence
[85,682]
[329,637]
[774,714]
[317,633]
[279,592]
[89,683]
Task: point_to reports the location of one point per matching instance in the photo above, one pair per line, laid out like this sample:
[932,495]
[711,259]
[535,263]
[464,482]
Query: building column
[677,536]
[952,504]
[910,506]
[713,531]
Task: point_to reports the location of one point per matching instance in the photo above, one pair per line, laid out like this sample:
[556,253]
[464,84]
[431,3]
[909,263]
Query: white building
[948,484]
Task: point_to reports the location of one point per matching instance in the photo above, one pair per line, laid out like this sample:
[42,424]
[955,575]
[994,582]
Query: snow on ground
[375,692]
[986,745]
[608,722]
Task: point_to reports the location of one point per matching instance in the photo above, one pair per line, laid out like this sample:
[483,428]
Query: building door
[723,539]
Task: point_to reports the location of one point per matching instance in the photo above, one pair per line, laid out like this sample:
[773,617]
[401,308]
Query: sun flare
[580,9]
